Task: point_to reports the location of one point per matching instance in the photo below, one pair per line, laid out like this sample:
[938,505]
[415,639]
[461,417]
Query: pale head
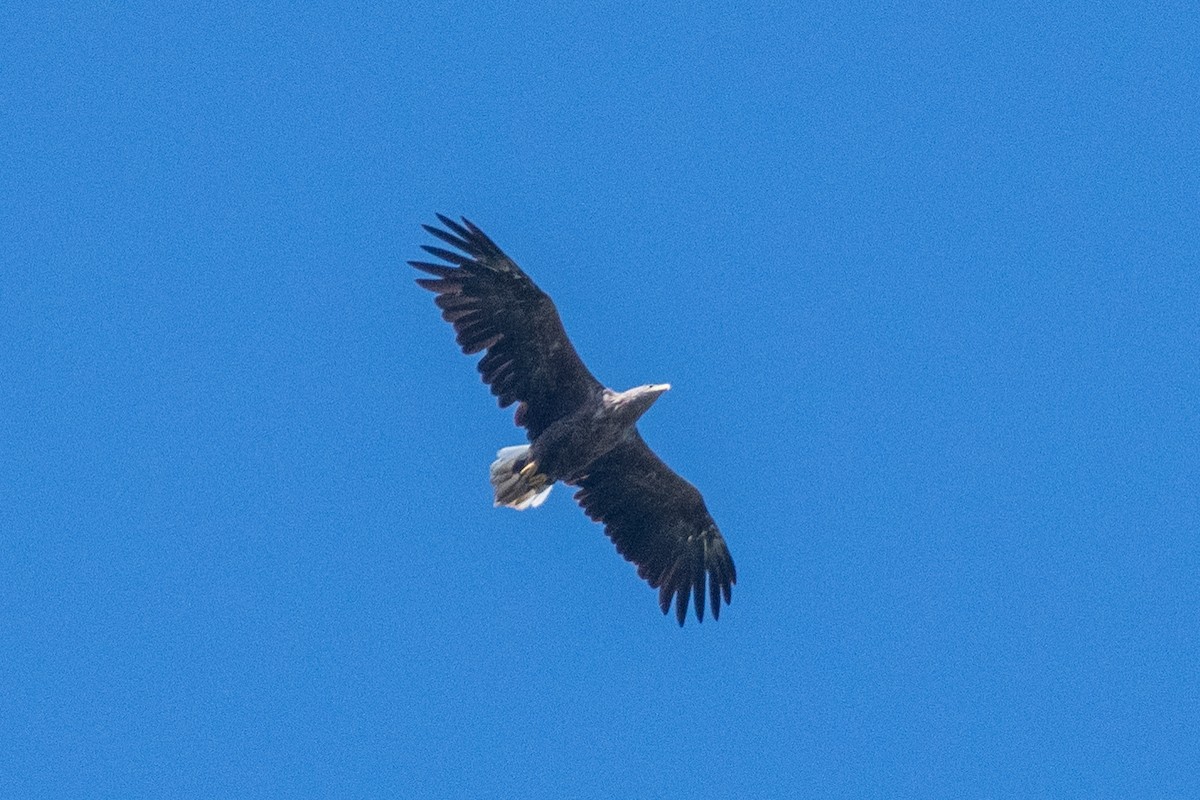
[632,403]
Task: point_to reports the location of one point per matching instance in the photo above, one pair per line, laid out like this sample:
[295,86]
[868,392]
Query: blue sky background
[924,278]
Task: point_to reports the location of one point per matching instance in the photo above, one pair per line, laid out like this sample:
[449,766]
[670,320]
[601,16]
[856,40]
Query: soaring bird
[580,432]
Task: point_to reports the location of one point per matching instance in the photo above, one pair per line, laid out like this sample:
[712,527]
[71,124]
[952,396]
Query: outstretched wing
[659,521]
[494,306]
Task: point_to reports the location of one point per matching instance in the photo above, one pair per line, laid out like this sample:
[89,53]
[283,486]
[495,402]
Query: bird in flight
[580,432]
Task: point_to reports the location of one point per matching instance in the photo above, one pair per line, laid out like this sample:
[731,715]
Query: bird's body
[566,448]
[569,446]
[581,433]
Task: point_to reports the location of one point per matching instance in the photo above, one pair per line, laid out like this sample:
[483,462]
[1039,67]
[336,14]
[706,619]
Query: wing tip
[468,237]
[692,590]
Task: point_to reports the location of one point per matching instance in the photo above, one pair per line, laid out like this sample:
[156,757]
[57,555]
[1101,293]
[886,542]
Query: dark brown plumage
[581,433]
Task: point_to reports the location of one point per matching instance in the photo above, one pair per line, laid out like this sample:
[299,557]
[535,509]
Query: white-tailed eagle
[580,432]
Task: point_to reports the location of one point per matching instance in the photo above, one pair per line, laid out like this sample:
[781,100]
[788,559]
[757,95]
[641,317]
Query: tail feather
[516,480]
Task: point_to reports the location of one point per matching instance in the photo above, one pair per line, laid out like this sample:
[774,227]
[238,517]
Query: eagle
[580,432]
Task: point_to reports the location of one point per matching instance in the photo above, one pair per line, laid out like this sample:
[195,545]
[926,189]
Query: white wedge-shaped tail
[516,480]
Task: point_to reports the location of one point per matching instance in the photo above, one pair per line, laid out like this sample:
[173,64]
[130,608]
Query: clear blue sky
[925,279]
